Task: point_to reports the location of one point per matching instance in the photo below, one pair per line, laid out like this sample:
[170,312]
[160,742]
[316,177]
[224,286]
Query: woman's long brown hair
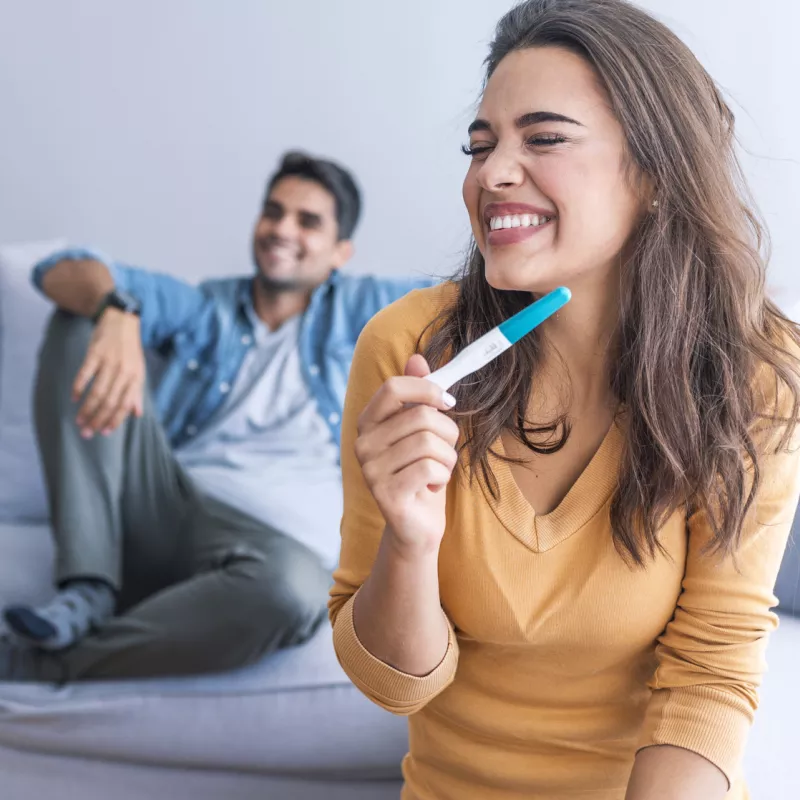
[695,325]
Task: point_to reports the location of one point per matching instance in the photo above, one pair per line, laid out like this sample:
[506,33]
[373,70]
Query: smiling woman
[582,610]
[564,164]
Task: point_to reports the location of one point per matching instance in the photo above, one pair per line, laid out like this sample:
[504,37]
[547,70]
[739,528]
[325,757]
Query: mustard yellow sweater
[563,661]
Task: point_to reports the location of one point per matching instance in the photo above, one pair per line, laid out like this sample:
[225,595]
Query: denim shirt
[203,333]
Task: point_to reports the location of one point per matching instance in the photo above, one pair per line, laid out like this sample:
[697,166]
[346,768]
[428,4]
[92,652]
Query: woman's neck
[579,339]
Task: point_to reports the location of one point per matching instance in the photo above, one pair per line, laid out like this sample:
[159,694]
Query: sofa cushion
[787,588]
[32,776]
[295,712]
[23,312]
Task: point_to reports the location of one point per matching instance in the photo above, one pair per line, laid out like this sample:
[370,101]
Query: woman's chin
[514,280]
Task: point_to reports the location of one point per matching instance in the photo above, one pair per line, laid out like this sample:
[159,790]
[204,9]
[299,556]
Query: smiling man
[196,528]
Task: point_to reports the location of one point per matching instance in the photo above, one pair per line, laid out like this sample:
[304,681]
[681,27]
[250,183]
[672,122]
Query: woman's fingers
[417,367]
[421,446]
[399,392]
[422,476]
[404,424]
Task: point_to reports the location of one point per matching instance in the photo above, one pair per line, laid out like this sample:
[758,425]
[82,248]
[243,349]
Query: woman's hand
[406,448]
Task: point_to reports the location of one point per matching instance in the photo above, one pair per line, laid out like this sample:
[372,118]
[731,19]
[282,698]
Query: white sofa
[290,728]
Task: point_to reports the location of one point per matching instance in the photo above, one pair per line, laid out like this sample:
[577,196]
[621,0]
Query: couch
[290,728]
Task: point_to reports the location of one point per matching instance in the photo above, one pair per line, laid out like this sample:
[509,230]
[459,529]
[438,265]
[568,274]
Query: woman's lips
[506,236]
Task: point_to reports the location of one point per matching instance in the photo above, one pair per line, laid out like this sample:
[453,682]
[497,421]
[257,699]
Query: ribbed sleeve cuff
[705,720]
[395,691]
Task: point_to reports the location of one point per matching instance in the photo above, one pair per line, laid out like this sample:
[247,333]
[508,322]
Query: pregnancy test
[499,339]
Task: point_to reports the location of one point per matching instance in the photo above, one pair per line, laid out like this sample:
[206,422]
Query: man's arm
[77,285]
[112,377]
[77,280]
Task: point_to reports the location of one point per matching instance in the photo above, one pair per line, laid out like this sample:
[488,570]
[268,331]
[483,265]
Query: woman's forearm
[397,613]
[672,773]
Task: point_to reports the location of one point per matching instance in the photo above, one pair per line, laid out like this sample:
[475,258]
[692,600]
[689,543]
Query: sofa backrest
[23,313]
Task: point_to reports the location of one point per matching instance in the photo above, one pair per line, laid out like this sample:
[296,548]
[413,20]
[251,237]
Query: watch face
[124,301]
[128,299]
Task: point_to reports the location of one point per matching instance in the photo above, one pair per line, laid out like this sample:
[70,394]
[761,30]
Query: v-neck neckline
[585,498]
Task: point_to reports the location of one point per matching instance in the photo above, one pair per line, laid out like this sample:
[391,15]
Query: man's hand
[115,367]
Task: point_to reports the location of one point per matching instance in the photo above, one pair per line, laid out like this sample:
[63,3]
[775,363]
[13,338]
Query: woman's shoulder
[415,310]
[776,390]
[397,329]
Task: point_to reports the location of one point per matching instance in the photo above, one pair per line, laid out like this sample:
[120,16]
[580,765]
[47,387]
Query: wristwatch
[124,301]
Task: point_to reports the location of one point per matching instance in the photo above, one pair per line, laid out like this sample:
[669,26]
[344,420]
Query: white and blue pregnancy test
[499,339]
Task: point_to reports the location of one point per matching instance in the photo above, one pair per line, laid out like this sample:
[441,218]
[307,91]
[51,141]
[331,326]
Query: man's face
[295,244]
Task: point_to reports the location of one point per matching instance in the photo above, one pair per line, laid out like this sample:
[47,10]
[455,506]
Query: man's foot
[75,610]
[19,662]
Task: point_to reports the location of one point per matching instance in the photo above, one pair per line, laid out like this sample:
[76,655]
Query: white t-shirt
[268,451]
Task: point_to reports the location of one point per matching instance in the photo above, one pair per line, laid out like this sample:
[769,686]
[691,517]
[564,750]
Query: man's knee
[292,596]
[65,342]
[302,588]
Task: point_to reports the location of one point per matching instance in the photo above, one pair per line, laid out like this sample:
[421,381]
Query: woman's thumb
[417,367]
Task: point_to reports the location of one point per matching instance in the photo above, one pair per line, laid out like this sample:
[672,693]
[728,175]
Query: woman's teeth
[518,221]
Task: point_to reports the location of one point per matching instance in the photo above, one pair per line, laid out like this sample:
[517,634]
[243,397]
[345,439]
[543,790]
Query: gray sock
[80,606]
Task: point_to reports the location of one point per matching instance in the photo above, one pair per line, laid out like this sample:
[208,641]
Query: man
[206,517]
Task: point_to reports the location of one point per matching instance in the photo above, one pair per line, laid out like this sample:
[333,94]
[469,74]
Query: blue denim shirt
[203,333]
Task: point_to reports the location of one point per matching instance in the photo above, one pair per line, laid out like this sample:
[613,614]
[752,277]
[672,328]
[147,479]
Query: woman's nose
[500,170]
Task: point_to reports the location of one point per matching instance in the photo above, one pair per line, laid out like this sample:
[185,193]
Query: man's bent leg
[126,481]
[255,591]
[83,476]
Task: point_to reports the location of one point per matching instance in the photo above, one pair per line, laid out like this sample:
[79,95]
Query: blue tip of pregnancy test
[514,328]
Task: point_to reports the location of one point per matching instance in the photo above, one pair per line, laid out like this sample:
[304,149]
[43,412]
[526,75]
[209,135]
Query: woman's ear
[649,194]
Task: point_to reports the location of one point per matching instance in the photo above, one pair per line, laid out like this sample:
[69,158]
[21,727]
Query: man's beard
[279,285]
[276,285]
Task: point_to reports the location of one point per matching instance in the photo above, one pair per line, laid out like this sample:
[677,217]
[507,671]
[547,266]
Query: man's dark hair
[337,180]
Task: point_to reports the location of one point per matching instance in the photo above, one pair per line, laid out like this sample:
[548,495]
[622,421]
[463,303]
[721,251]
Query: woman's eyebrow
[531,118]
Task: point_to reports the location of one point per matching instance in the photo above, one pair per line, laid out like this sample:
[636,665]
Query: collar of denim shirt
[246,307]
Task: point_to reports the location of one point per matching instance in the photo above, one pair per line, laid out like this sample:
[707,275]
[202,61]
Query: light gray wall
[148,127]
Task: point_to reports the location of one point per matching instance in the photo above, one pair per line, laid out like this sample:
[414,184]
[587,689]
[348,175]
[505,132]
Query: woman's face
[547,191]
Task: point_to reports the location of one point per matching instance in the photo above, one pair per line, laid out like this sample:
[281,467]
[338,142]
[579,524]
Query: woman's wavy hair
[695,325]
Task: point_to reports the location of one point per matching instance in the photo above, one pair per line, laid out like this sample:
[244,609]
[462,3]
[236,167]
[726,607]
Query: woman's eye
[480,150]
[476,150]
[546,139]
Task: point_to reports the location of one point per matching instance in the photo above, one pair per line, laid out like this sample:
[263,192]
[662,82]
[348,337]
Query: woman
[582,610]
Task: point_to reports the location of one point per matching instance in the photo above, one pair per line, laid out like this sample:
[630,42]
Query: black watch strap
[124,301]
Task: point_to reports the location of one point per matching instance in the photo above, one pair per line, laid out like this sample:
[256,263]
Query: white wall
[148,127]
[752,51]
